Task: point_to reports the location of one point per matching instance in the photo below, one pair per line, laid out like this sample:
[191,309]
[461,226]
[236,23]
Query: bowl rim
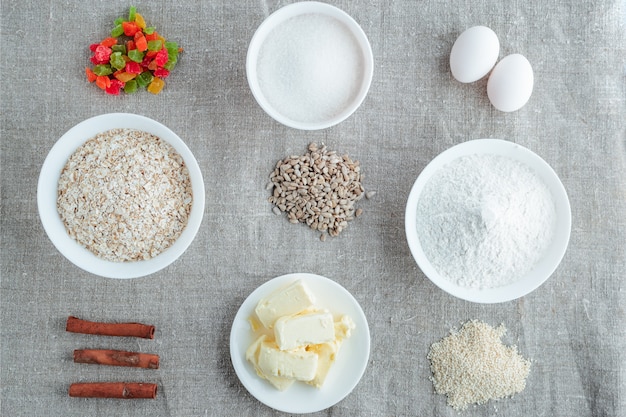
[47,196]
[554,254]
[296,9]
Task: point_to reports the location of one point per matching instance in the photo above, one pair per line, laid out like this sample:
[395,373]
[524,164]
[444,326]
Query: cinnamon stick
[126,390]
[76,325]
[117,358]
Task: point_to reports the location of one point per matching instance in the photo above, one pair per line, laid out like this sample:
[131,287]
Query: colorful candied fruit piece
[156,85]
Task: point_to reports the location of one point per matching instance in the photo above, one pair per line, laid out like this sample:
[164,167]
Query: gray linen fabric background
[572,327]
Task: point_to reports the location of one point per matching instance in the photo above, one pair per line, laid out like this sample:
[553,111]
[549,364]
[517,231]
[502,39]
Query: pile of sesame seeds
[472,366]
[319,188]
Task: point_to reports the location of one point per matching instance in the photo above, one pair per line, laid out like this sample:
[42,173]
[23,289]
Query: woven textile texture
[572,327]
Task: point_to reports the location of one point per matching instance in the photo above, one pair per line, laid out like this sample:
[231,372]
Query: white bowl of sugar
[488,221]
[309,65]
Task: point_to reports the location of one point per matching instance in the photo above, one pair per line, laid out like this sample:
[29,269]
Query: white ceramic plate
[345,373]
[554,254]
[310,8]
[48,185]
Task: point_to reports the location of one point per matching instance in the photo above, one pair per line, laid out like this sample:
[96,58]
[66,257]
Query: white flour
[485,220]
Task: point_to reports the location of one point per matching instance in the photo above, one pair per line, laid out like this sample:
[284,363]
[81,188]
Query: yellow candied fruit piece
[156,85]
[140,21]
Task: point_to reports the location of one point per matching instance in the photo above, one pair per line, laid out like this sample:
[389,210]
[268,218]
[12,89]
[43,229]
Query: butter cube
[326,355]
[304,329]
[327,352]
[295,364]
[286,301]
[252,356]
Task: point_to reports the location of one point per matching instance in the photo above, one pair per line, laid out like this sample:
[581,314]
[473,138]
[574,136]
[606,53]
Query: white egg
[474,54]
[510,83]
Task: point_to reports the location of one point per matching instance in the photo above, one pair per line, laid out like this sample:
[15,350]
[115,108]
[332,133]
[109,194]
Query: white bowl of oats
[120,195]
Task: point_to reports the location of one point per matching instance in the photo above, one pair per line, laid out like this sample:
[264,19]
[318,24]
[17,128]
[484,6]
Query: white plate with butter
[345,372]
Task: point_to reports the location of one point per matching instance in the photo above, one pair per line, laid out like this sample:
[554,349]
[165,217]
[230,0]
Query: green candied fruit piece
[130,86]
[155,45]
[170,64]
[102,69]
[117,31]
[117,61]
[144,79]
[119,48]
[149,30]
[131,13]
[171,45]
[172,48]
[135,55]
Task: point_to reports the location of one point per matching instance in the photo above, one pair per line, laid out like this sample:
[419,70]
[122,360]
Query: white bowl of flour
[488,221]
[309,65]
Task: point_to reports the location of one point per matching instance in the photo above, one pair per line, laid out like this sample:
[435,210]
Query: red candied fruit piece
[133,68]
[96,61]
[102,53]
[146,61]
[161,57]
[161,72]
[115,87]
[93,47]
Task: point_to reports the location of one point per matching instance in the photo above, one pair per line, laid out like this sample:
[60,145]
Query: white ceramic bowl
[346,371]
[291,111]
[48,185]
[553,255]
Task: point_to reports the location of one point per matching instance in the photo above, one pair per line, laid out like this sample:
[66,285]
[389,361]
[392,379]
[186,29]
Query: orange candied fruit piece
[152,36]
[103,82]
[91,76]
[140,42]
[109,42]
[124,76]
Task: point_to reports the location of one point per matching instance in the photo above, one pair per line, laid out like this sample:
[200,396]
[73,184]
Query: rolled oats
[125,195]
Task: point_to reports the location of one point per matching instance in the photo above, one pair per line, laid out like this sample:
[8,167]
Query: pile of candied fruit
[134,56]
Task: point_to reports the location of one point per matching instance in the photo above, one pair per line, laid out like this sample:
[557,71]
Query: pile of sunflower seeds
[319,188]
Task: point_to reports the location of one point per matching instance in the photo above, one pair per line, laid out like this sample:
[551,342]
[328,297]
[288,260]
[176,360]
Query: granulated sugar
[309,67]
[485,220]
[472,366]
